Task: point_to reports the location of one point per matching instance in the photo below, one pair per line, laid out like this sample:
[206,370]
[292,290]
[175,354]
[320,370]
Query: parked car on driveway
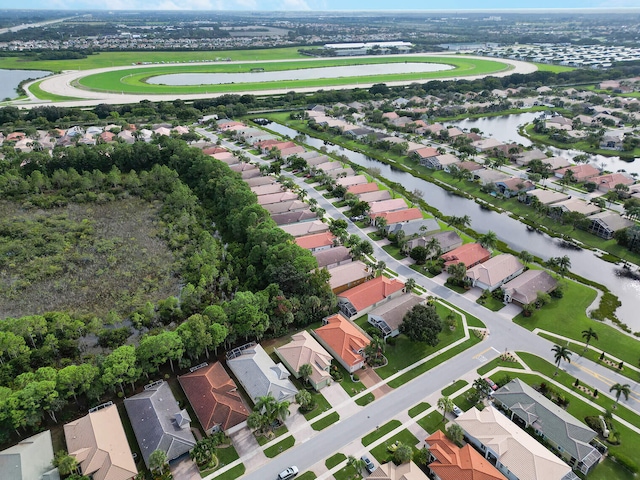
[491,383]
[368,464]
[457,411]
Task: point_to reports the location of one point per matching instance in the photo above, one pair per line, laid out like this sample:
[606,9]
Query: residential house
[487,177]
[450,462]
[487,144]
[404,471]
[399,216]
[341,172]
[470,166]
[305,228]
[368,295]
[226,157]
[288,218]
[606,224]
[107,137]
[351,181]
[348,276]
[413,228]
[575,205]
[545,197]
[359,133]
[495,272]
[316,242]
[258,374]
[516,454]
[327,166]
[389,316]
[375,196]
[514,186]
[448,240]
[566,435]
[609,181]
[581,173]
[470,254]
[386,206]
[98,443]
[312,162]
[344,341]
[276,197]
[159,423]
[283,207]
[267,189]
[214,397]
[29,460]
[555,163]
[288,152]
[362,188]
[525,157]
[303,349]
[524,289]
[441,162]
[333,257]
[612,141]
[426,155]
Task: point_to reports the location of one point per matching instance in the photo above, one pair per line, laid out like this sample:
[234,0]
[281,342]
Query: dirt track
[61,84]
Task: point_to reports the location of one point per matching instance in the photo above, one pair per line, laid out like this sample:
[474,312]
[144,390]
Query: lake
[175,79]
[10,79]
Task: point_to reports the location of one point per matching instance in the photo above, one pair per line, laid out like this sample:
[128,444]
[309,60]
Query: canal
[583,262]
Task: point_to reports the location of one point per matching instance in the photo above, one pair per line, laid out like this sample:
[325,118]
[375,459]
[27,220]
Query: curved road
[62,84]
[505,335]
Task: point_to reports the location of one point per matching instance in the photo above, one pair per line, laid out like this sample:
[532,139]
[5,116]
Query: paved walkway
[248,449]
[370,378]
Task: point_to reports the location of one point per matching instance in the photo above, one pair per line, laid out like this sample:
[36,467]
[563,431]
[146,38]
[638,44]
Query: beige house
[495,272]
[391,471]
[304,349]
[99,444]
[348,276]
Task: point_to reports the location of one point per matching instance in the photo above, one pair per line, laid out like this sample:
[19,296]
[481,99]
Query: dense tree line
[244,278]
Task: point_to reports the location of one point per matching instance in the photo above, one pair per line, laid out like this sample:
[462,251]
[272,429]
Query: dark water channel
[514,233]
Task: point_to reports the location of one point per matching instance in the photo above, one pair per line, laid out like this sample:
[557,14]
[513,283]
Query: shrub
[625,462]
[355,378]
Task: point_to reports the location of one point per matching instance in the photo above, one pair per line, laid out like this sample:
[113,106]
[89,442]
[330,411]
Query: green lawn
[226,455]
[498,362]
[324,422]
[457,385]
[394,251]
[410,375]
[307,476]
[433,422]
[380,432]
[323,405]
[42,95]
[491,303]
[567,317]
[335,460]
[462,400]
[232,473]
[347,473]
[418,409]
[280,447]
[471,320]
[610,470]
[383,455]
[546,67]
[349,386]
[365,399]
[134,81]
[262,440]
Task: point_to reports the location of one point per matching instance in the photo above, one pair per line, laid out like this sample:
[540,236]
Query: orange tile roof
[373,291]
[363,188]
[400,215]
[314,241]
[343,338]
[470,254]
[214,397]
[454,463]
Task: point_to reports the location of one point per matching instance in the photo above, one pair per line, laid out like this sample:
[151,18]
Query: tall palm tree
[564,264]
[588,335]
[446,405]
[305,371]
[488,240]
[434,249]
[560,353]
[356,463]
[621,390]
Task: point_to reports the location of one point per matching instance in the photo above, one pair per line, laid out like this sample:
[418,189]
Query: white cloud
[295,5]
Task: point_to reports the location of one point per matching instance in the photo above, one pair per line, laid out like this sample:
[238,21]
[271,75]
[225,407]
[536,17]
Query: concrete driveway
[369,378]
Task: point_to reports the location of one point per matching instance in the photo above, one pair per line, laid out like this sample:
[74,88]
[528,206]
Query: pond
[583,262]
[505,128]
[301,74]
[10,80]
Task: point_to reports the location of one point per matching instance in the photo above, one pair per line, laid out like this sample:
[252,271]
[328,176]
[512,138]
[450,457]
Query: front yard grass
[307,476]
[463,402]
[380,432]
[567,317]
[433,422]
[418,409]
[232,473]
[347,473]
[394,251]
[278,448]
[349,386]
[383,455]
[335,460]
[491,303]
[262,440]
[498,362]
[457,385]
[365,399]
[323,423]
[322,405]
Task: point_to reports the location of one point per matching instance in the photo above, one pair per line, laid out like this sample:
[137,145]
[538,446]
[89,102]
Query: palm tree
[560,353]
[525,257]
[446,405]
[433,245]
[356,463]
[282,410]
[589,335]
[375,349]
[564,264]
[621,390]
[489,240]
[410,284]
[305,372]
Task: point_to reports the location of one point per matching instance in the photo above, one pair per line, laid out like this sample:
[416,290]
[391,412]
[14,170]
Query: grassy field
[567,317]
[545,67]
[42,95]
[383,455]
[323,423]
[418,409]
[85,258]
[281,446]
[133,81]
[380,432]
[432,422]
[454,387]
[498,362]
[117,59]
[335,460]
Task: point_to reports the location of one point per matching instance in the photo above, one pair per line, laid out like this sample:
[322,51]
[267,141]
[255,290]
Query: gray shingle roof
[545,416]
[156,418]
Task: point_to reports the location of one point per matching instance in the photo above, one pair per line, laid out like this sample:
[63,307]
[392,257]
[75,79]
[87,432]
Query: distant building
[354,49]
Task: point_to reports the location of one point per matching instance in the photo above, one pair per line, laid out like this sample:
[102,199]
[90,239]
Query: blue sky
[336,5]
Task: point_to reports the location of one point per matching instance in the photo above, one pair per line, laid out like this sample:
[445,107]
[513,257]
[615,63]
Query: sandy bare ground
[62,84]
